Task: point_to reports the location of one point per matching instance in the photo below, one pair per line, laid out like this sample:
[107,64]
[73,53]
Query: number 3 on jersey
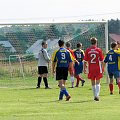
[93,56]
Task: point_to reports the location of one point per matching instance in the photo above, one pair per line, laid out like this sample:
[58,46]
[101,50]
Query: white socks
[96,90]
[72,78]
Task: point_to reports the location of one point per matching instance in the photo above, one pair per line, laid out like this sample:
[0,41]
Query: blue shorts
[116,74]
[78,68]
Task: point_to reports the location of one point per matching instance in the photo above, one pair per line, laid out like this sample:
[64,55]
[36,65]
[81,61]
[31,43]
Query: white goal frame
[21,67]
[53,21]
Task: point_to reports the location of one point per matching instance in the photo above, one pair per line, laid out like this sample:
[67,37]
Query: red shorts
[95,75]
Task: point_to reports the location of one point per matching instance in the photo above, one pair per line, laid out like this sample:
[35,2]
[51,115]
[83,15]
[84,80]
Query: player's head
[61,43]
[68,44]
[44,44]
[93,41]
[114,45]
[118,44]
[79,45]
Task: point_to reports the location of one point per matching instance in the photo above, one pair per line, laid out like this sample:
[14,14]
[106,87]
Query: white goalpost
[19,66]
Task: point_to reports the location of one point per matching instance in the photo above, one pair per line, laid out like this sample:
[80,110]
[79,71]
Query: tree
[114,26]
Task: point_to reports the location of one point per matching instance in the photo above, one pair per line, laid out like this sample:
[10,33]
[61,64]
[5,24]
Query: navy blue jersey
[62,57]
[79,55]
[112,60]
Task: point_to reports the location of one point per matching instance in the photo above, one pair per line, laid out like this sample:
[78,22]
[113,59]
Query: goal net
[20,43]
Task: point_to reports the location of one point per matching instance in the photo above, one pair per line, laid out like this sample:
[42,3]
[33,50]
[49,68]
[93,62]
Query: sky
[53,10]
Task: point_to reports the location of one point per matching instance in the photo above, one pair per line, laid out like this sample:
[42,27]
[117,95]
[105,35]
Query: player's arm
[53,67]
[103,65]
[74,58]
[83,55]
[85,67]
[46,56]
[70,59]
[54,61]
[104,62]
[85,62]
[76,61]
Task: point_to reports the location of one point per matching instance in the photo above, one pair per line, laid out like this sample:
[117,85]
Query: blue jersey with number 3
[112,60]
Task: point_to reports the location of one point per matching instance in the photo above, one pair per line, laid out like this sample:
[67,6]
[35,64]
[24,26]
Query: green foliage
[114,26]
[29,57]
[2,38]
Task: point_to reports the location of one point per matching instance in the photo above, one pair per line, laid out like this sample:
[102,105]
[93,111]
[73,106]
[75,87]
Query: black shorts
[61,73]
[42,69]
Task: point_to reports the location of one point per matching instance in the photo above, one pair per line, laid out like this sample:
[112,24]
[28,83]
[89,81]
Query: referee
[43,61]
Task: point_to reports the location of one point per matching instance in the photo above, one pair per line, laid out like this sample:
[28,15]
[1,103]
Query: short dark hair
[118,42]
[68,44]
[93,40]
[43,43]
[113,44]
[79,44]
[61,43]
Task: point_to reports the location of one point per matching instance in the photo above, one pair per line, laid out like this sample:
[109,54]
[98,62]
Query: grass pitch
[20,100]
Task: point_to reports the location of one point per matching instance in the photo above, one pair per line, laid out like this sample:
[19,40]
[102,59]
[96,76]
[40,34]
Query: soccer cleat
[60,99]
[96,98]
[119,92]
[82,81]
[76,86]
[71,87]
[38,87]
[48,88]
[68,98]
[111,93]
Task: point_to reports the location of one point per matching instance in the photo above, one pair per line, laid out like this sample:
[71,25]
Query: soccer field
[20,100]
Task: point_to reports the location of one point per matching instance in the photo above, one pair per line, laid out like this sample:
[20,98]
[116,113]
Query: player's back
[112,60]
[43,58]
[94,56]
[79,55]
[63,57]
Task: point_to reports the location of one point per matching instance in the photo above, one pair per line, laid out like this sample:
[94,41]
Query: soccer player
[79,55]
[94,59]
[43,60]
[112,60]
[62,60]
[71,71]
[118,51]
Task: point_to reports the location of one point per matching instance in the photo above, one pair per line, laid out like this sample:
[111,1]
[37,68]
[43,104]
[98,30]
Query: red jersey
[94,56]
[72,52]
[71,70]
